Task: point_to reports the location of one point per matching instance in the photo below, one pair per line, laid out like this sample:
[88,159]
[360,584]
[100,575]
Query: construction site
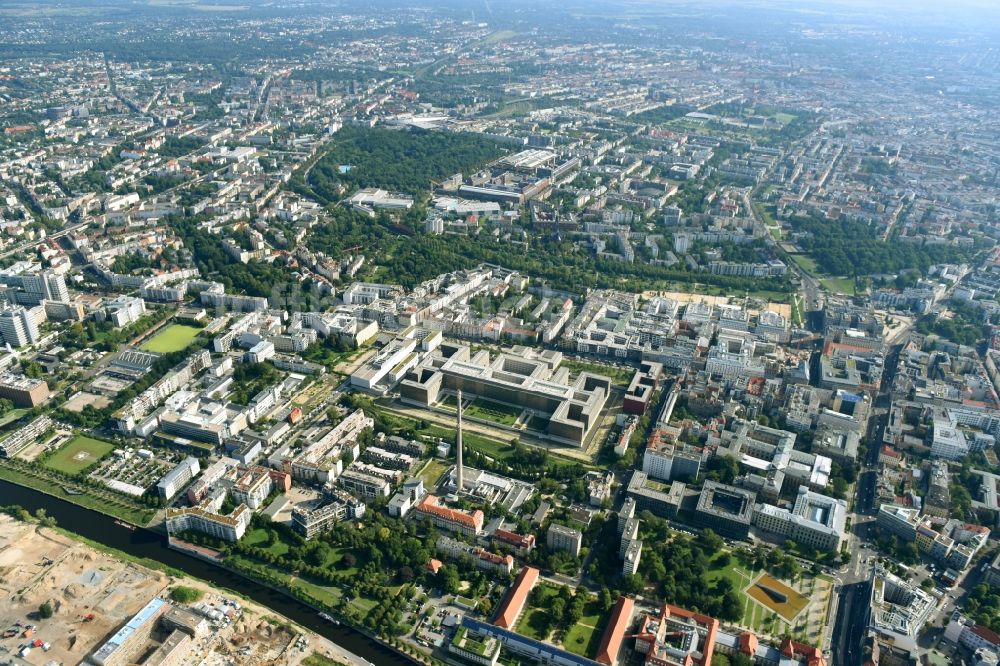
[63,602]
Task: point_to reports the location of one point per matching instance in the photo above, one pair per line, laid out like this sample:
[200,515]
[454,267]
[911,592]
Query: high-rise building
[33,288]
[18,327]
[562,538]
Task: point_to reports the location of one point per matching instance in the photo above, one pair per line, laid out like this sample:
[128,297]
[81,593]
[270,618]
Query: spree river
[146,543]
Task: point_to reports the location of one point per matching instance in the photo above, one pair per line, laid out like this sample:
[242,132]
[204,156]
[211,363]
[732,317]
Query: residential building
[483,559]
[124,310]
[364,484]
[897,610]
[177,478]
[633,553]
[317,517]
[667,459]
[562,538]
[18,327]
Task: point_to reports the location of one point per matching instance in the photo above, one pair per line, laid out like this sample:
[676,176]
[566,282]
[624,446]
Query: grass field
[583,638]
[258,537]
[839,285]
[491,447]
[535,622]
[789,609]
[79,454]
[497,412]
[432,471]
[736,574]
[328,595]
[805,262]
[13,415]
[172,338]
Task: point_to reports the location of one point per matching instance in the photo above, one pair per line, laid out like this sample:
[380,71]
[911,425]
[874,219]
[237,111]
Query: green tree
[183,594]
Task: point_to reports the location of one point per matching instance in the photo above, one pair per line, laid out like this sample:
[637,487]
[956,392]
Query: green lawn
[531,624]
[80,453]
[432,471]
[491,447]
[839,285]
[583,638]
[617,375]
[13,415]
[497,412]
[334,561]
[770,295]
[731,571]
[535,622]
[805,262]
[364,605]
[327,595]
[258,537]
[172,338]
[796,312]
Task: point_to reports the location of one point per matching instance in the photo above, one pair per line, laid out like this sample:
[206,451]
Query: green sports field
[173,338]
[79,454]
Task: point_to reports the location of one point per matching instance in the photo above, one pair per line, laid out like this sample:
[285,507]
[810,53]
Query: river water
[146,543]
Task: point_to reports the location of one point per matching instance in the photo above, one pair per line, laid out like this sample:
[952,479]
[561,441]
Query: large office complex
[815,521]
[23,391]
[726,509]
[531,381]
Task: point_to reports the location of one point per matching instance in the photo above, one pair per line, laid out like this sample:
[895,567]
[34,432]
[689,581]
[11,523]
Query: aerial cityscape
[582,333]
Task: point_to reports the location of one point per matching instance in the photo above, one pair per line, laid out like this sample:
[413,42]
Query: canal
[151,545]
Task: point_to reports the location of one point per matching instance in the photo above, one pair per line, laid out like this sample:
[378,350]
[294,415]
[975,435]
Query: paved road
[852,618]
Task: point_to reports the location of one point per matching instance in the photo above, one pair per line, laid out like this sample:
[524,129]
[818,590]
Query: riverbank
[95,499]
[142,543]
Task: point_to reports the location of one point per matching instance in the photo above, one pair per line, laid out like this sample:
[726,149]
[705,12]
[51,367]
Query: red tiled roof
[430,505]
[813,655]
[611,642]
[748,643]
[711,629]
[514,602]
[515,539]
[986,634]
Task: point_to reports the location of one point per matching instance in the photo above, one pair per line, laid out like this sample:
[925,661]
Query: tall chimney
[459,472]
